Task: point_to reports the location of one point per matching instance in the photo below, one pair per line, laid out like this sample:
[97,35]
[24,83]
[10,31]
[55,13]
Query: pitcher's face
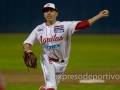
[50,15]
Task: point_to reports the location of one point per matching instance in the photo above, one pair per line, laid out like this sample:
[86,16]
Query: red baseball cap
[49,6]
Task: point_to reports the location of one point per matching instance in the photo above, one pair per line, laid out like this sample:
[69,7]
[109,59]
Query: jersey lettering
[52,46]
[53,38]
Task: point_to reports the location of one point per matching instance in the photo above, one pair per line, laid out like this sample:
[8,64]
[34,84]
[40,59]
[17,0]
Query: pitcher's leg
[59,71]
[49,74]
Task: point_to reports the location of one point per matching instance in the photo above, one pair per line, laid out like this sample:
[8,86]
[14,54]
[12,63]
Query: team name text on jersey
[53,38]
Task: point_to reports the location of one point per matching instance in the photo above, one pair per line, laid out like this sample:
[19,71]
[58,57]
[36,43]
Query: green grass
[65,87]
[22,87]
[12,52]
[98,53]
[88,87]
[88,52]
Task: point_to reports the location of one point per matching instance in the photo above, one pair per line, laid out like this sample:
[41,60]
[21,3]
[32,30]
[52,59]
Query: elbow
[82,25]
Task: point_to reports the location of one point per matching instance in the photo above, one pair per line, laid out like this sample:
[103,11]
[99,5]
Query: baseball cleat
[42,88]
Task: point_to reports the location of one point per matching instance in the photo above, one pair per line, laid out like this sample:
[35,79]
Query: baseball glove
[30,59]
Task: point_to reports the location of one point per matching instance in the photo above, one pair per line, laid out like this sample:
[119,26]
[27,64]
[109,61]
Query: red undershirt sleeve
[82,25]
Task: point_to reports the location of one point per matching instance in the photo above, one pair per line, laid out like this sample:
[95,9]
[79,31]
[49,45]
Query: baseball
[105,11]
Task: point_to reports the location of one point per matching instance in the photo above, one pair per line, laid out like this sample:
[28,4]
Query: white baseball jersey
[55,38]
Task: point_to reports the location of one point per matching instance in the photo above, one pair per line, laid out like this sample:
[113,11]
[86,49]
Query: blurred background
[20,16]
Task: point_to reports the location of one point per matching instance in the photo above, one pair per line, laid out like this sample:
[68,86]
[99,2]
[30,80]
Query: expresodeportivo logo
[53,38]
[52,46]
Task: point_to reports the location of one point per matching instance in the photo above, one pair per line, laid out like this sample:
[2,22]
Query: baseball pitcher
[55,37]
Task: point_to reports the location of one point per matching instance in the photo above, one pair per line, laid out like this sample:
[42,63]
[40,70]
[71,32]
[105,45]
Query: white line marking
[92,81]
